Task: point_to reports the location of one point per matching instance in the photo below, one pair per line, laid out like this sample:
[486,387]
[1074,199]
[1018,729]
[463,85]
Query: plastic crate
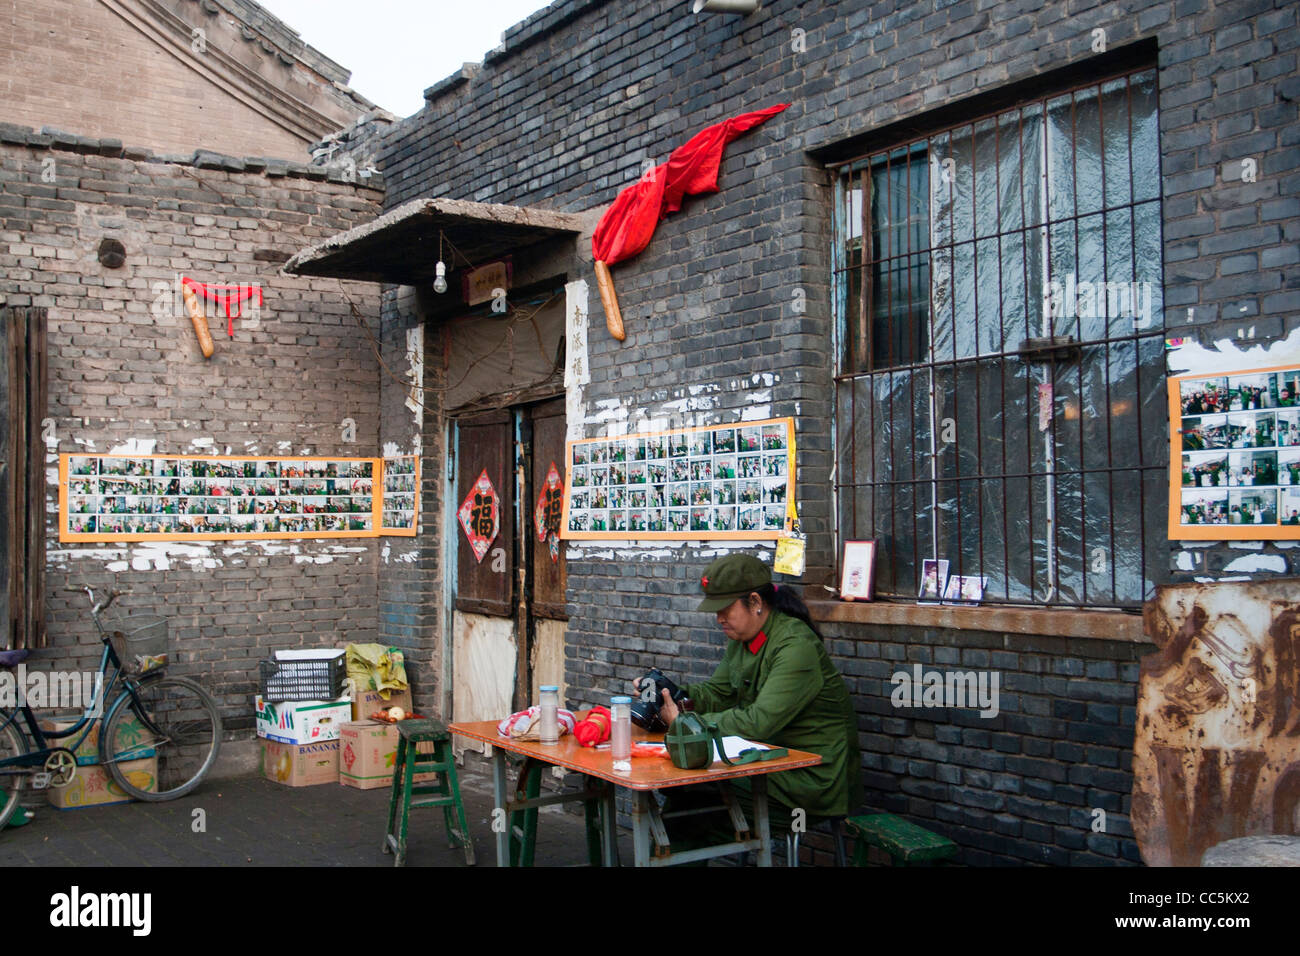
[292,680]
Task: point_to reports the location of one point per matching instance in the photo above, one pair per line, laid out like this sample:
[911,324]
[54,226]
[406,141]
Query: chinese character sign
[480,515]
[550,511]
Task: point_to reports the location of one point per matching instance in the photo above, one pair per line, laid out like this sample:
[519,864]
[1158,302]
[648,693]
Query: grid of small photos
[111,497]
[729,481]
[1240,453]
[399,499]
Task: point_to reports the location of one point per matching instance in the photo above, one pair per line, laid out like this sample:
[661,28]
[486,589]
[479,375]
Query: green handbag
[690,742]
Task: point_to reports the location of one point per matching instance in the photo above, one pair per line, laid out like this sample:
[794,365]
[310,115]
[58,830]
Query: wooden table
[647,775]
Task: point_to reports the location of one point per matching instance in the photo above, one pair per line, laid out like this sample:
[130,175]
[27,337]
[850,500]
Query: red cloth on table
[630,221]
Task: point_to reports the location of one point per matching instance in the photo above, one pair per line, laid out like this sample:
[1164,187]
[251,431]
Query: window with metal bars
[1000,389]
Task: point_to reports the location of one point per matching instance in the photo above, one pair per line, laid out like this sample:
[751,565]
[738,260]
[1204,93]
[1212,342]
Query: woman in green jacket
[776,684]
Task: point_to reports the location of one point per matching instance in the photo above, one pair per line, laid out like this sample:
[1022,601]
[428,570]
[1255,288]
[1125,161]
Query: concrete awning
[401,246]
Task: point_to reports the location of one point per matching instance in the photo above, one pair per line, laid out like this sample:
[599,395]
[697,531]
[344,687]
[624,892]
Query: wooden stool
[905,842]
[410,762]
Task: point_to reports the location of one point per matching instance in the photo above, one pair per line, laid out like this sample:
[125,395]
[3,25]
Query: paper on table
[734,745]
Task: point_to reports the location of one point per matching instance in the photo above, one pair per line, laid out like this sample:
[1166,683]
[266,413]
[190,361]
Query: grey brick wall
[119,373]
[580,95]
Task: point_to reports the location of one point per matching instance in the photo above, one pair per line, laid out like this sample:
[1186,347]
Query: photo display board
[188,498]
[401,493]
[724,481]
[1235,469]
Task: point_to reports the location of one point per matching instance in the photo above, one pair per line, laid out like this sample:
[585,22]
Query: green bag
[690,742]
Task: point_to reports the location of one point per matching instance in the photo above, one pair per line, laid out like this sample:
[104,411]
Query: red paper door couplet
[550,508]
[480,515]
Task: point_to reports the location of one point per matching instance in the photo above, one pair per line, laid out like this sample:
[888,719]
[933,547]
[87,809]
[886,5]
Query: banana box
[302,721]
[300,765]
[93,787]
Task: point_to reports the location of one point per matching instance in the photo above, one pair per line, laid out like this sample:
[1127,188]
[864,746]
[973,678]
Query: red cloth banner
[692,169]
[224,295]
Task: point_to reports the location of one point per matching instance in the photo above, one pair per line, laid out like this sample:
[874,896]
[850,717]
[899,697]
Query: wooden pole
[609,299]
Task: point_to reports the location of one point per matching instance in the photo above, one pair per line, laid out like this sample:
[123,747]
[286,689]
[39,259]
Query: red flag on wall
[630,221]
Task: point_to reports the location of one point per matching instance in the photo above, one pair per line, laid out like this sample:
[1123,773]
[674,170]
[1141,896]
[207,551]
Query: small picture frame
[934,578]
[859,571]
[965,589]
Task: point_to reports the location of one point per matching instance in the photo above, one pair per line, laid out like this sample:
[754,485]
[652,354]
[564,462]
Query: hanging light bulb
[440,271]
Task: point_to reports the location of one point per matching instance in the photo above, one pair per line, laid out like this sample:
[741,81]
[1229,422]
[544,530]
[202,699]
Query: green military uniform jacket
[789,694]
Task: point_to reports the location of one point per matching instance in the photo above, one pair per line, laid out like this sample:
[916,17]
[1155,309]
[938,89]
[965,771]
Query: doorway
[508,605]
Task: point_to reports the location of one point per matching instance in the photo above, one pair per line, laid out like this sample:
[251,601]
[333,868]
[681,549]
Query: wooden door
[485,444]
[22,477]
[546,566]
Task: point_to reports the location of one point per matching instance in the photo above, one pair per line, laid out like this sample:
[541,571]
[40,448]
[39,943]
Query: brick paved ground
[254,822]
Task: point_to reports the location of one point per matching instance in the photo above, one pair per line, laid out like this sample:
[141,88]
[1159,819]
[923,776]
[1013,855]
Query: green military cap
[732,577]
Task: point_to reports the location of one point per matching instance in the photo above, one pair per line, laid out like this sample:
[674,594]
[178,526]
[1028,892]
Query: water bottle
[550,727]
[620,709]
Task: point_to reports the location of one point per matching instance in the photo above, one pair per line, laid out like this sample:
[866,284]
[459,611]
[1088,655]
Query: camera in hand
[645,711]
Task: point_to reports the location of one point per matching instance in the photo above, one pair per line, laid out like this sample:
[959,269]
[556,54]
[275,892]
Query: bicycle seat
[12,658]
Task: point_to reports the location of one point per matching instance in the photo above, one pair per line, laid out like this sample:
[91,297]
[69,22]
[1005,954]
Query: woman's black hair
[787,601]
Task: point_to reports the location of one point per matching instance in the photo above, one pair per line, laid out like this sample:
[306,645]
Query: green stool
[446,790]
[905,842]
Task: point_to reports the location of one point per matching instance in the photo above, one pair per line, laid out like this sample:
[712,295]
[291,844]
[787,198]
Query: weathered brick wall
[121,375]
[138,72]
[584,92]
[410,570]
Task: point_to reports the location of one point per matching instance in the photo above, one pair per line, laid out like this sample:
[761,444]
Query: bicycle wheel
[13,743]
[163,747]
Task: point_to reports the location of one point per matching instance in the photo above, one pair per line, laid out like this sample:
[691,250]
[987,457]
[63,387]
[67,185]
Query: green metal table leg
[523,823]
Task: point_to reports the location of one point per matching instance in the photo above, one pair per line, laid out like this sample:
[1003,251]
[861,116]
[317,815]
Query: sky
[396,49]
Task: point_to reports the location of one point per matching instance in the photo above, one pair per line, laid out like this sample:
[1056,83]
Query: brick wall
[581,94]
[135,71]
[120,374]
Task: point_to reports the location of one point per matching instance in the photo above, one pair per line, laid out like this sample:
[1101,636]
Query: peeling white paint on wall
[135,446]
[1228,356]
[197,555]
[415,370]
[655,550]
[1254,563]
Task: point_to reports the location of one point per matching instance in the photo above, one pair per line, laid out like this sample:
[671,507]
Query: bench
[906,843]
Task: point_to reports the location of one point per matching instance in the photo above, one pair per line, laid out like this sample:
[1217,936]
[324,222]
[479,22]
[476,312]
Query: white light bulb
[440,279]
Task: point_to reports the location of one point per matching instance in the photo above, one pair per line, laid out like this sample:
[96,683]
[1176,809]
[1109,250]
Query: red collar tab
[756,644]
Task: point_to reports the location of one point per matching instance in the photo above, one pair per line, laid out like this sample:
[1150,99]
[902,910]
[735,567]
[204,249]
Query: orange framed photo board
[732,481]
[400,491]
[124,498]
[1235,455]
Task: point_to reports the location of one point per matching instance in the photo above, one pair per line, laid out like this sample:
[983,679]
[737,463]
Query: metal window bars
[999,402]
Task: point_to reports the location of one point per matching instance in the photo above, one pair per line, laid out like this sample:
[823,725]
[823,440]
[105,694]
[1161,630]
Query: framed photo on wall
[859,570]
[1235,468]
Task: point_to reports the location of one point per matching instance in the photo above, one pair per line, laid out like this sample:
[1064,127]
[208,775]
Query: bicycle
[154,715]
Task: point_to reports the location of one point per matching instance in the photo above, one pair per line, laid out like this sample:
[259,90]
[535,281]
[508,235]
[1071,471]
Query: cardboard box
[87,752]
[300,765]
[366,702]
[302,721]
[93,787]
[368,755]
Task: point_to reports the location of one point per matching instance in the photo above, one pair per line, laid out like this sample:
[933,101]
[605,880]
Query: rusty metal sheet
[1217,749]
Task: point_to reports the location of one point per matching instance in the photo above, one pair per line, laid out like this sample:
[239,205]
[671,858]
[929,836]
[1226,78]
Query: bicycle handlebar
[103,605]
